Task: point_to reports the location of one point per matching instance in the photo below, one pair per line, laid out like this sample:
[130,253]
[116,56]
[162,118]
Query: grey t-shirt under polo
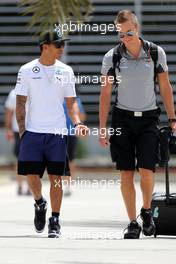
[136,90]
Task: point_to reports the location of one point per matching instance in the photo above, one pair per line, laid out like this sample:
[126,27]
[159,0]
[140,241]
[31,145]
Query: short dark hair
[124,16]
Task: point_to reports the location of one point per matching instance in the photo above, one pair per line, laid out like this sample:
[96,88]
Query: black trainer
[53,227]
[40,216]
[133,230]
[148,226]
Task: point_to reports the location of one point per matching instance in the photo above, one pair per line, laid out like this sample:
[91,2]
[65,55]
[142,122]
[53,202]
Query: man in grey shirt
[136,90]
[135,115]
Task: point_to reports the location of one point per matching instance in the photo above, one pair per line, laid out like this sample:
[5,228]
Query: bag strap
[152,50]
[167,183]
[116,57]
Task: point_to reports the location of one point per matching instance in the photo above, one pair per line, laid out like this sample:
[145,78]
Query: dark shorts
[137,145]
[40,151]
[71,147]
[16,144]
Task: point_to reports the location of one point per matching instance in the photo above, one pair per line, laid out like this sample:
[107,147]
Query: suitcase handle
[164,141]
[167,182]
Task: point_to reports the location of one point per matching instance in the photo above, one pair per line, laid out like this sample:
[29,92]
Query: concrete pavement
[92,220]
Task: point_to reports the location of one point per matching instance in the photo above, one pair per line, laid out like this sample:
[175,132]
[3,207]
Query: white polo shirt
[45,88]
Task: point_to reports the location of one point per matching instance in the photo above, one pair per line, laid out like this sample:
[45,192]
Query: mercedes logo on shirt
[36,69]
[59,79]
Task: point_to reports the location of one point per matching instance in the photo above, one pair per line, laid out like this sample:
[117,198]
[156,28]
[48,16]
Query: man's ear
[138,28]
[45,46]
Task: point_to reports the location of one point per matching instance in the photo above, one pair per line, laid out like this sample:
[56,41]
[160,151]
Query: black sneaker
[133,230]
[53,227]
[40,216]
[148,226]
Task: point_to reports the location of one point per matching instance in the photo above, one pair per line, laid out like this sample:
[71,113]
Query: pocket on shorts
[113,149]
[117,121]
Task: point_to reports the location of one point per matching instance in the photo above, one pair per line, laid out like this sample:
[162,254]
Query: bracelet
[77,124]
[172,120]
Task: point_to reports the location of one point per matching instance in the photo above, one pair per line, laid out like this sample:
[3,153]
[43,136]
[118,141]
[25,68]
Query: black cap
[52,36]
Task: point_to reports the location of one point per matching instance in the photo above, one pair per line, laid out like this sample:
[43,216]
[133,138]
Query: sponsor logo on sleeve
[36,69]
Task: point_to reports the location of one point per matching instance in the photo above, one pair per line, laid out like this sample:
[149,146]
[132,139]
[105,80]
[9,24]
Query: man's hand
[104,141]
[81,130]
[173,126]
[10,135]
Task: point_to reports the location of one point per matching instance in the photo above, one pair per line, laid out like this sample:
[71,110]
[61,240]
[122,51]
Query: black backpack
[150,48]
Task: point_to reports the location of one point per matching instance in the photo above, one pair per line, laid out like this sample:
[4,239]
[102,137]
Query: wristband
[77,124]
[172,120]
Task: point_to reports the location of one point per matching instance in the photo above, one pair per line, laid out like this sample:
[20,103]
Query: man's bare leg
[55,192]
[68,179]
[56,200]
[35,186]
[129,193]
[40,203]
[147,185]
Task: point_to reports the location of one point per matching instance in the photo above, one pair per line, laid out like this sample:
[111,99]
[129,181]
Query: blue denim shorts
[40,151]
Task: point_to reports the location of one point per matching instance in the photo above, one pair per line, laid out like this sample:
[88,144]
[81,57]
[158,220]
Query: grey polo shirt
[136,90]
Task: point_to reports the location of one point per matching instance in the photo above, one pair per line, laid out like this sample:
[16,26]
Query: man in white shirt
[42,85]
[12,135]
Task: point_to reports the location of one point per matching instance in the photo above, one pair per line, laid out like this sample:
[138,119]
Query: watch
[77,124]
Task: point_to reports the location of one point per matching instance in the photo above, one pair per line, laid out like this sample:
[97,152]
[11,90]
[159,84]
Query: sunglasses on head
[128,34]
[59,45]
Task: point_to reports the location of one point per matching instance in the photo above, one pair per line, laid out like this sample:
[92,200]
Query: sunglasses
[59,45]
[128,34]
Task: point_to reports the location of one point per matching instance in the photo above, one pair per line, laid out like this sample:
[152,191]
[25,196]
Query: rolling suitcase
[164,204]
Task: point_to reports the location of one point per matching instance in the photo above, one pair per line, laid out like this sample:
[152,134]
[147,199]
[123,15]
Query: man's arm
[82,116]
[166,93]
[8,124]
[104,108]
[73,109]
[21,113]
[73,112]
